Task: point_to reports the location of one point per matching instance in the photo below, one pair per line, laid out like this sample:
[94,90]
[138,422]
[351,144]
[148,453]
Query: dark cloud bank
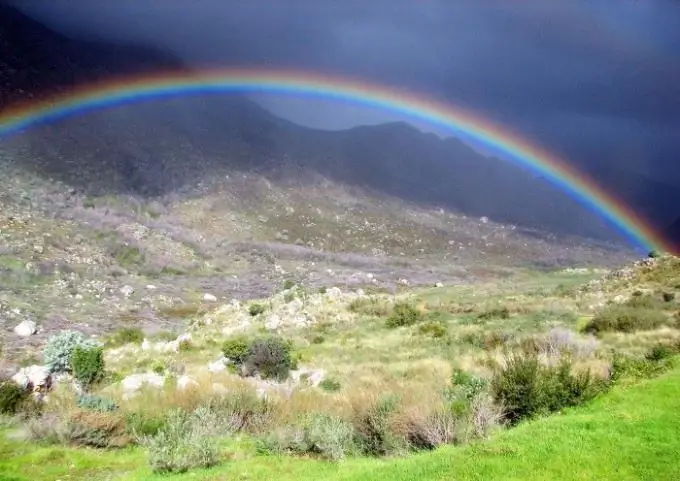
[595,81]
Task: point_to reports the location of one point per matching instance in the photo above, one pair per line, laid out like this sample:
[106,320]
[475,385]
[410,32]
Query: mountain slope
[157,148]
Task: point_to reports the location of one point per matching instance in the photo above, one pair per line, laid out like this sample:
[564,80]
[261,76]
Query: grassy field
[629,434]
[417,385]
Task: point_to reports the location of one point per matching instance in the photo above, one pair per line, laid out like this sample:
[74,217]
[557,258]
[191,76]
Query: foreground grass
[631,433]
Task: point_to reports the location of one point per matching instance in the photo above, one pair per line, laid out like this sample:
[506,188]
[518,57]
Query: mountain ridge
[154,148]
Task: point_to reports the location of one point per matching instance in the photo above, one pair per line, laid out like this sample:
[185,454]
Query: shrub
[12,397]
[374,435]
[141,425]
[318,339]
[330,385]
[438,428]
[326,436]
[179,446]
[60,347]
[527,388]
[434,329]
[96,403]
[236,349]
[242,410]
[495,313]
[270,357]
[82,428]
[323,290]
[466,386]
[626,319]
[288,284]
[87,365]
[371,306]
[255,309]
[404,314]
[128,335]
[660,352]
[668,296]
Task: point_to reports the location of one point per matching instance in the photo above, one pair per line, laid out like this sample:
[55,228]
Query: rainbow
[168,84]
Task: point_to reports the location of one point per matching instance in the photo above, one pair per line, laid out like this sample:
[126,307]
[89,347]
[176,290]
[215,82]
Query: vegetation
[87,365]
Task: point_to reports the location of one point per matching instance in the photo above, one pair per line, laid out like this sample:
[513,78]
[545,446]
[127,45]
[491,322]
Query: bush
[330,385]
[288,284]
[255,309]
[526,388]
[371,306]
[270,357]
[96,403]
[495,313]
[82,428]
[179,446]
[60,347]
[404,314]
[668,296]
[128,335]
[325,436]
[236,349]
[626,319]
[438,428]
[434,329]
[374,435]
[87,365]
[242,410]
[12,397]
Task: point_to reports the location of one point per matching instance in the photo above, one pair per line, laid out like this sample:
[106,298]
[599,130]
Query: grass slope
[630,434]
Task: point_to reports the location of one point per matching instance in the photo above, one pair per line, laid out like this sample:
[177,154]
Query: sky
[592,80]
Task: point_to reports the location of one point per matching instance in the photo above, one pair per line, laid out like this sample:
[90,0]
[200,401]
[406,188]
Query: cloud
[580,76]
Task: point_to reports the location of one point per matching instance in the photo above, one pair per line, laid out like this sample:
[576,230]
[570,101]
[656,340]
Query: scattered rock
[185,382]
[127,291]
[26,328]
[438,284]
[135,382]
[34,378]
[209,298]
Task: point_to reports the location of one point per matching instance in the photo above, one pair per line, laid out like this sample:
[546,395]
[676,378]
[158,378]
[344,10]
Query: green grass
[629,434]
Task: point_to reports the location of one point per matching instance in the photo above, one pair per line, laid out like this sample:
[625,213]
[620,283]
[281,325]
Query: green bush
[626,319]
[318,434]
[271,357]
[404,314]
[179,446]
[87,365]
[374,435]
[434,329]
[96,403]
[526,388]
[255,309]
[495,313]
[12,397]
[60,348]
[128,335]
[371,306]
[236,349]
[288,284]
[323,290]
[330,385]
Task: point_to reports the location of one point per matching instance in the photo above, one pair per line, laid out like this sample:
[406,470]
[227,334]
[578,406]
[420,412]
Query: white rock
[26,328]
[33,377]
[185,382]
[273,323]
[134,382]
[146,345]
[151,287]
[438,284]
[209,298]
[127,291]
[334,292]
[218,366]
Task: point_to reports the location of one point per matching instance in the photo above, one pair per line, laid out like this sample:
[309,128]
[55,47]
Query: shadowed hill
[160,147]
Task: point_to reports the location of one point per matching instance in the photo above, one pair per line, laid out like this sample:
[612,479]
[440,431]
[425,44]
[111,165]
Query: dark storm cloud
[575,74]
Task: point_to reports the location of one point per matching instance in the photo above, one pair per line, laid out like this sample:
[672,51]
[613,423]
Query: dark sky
[594,80]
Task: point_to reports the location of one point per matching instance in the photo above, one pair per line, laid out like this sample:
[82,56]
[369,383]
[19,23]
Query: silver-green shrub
[60,347]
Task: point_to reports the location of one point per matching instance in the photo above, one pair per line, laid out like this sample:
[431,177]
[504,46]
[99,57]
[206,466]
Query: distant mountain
[160,147]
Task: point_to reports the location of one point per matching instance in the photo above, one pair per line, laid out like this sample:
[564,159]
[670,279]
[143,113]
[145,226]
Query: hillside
[161,147]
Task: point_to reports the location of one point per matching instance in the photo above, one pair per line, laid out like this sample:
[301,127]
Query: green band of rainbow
[168,84]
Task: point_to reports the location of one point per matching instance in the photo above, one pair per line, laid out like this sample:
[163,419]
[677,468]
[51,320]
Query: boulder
[209,298]
[26,328]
